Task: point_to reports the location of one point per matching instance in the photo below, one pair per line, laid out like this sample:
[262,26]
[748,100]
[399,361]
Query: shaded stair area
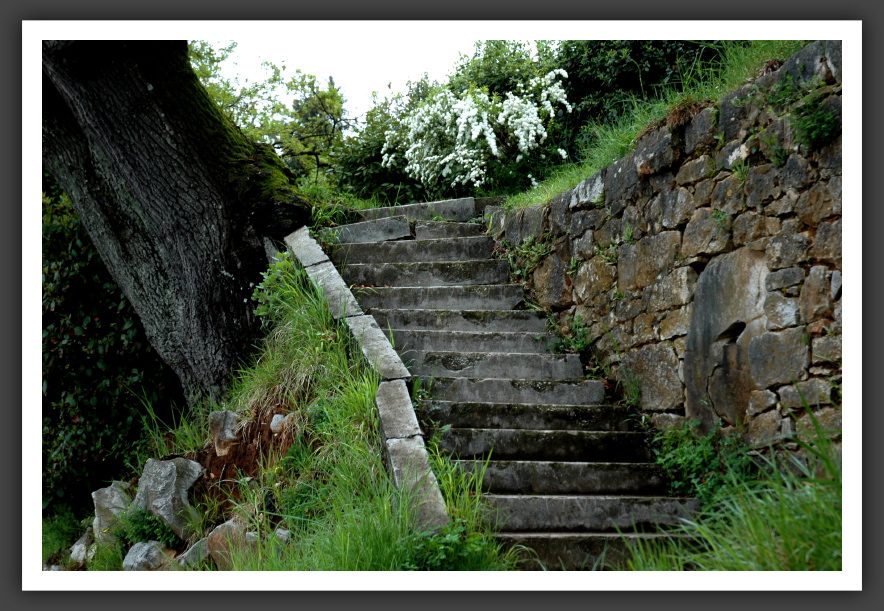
[567,475]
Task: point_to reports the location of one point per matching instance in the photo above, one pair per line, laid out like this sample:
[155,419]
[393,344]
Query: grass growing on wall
[786,517]
[612,141]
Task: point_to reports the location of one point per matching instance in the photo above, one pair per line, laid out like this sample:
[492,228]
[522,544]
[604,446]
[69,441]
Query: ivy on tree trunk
[176,199]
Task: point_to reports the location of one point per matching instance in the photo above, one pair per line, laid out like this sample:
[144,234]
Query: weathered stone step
[576,551]
[432,230]
[393,228]
[477,297]
[413,251]
[473,341]
[492,364]
[549,477]
[463,209]
[461,320]
[427,273]
[538,392]
[555,446]
[526,416]
[593,513]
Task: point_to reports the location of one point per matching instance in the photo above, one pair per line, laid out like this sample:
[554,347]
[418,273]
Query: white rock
[145,556]
[80,549]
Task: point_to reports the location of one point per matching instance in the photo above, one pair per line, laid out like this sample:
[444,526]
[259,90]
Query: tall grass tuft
[787,518]
[59,533]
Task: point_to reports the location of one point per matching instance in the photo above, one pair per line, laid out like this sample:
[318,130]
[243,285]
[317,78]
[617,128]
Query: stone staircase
[568,476]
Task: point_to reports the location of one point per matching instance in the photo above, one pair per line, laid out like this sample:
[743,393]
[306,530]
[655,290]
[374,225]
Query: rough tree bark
[175,198]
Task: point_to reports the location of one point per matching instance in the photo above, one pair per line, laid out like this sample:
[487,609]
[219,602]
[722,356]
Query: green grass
[331,490]
[785,518]
[330,206]
[59,533]
[108,557]
[610,142]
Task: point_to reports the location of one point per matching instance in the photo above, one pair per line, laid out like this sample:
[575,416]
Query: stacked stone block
[708,261]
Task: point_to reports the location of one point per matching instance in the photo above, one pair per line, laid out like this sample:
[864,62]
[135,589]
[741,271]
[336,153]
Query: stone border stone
[406,455]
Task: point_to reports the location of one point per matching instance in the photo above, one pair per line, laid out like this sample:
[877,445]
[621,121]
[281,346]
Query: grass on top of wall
[701,83]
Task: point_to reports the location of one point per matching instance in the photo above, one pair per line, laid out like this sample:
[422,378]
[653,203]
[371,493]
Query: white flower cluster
[454,137]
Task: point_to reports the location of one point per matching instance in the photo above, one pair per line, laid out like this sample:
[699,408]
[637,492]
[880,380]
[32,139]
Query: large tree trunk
[175,198]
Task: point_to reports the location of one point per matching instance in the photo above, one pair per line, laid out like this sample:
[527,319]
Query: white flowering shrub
[459,139]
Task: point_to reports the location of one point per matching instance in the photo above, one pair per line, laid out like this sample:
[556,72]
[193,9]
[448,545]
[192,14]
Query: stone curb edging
[406,454]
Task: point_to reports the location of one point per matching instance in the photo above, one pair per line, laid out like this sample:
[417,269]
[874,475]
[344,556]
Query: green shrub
[784,517]
[95,358]
[525,257]
[358,166]
[453,548]
[59,533]
[606,76]
[575,339]
[329,206]
[499,66]
[137,525]
[815,125]
[697,465]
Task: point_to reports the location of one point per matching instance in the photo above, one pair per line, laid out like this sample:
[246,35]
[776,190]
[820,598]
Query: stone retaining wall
[708,262]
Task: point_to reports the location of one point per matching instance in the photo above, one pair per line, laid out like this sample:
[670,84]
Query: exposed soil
[257,450]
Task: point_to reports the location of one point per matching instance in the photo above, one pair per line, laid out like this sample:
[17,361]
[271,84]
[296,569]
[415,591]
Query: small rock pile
[162,492]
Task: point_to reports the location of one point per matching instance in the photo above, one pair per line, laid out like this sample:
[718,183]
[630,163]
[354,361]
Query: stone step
[393,228]
[473,341]
[553,551]
[548,477]
[432,230]
[413,251]
[584,512]
[562,473]
[432,273]
[553,446]
[492,364]
[461,320]
[526,416]
[463,209]
[477,297]
[538,392]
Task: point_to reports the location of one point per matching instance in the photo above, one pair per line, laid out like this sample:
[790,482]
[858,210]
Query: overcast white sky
[363,57]
[366,56]
[357,72]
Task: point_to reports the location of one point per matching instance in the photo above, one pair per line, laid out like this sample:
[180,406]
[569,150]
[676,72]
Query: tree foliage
[600,79]
[475,137]
[500,66]
[360,167]
[302,118]
[606,75]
